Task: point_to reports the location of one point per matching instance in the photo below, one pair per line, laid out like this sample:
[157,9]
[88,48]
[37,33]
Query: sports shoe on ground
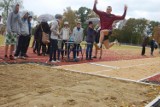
[53,61]
[11,57]
[5,57]
[58,61]
[94,57]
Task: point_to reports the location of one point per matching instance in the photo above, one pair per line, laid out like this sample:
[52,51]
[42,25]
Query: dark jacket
[145,41]
[152,43]
[42,27]
[91,33]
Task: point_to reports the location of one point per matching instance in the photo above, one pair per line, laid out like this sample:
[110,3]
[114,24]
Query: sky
[148,9]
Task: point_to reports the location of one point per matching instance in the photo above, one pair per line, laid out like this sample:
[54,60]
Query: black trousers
[143,50]
[20,49]
[40,45]
[28,38]
[53,49]
[152,50]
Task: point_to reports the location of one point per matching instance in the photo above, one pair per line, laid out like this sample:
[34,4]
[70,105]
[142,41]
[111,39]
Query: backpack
[155,45]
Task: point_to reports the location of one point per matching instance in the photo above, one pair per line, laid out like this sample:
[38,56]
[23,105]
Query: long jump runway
[136,70]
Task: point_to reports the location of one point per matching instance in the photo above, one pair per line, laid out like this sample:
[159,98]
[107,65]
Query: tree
[70,16]
[7,6]
[83,13]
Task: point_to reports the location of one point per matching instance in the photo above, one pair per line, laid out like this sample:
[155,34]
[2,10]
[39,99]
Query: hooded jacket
[24,29]
[13,21]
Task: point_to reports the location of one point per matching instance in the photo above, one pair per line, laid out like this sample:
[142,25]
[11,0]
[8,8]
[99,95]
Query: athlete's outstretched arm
[95,8]
[124,14]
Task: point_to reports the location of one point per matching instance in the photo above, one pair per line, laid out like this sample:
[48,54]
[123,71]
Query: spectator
[152,44]
[55,35]
[12,31]
[28,38]
[38,36]
[65,35]
[22,40]
[78,37]
[146,35]
[90,40]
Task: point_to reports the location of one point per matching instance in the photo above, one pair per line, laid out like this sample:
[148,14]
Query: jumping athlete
[106,20]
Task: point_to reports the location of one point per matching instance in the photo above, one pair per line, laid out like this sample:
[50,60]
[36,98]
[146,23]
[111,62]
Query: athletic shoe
[23,57]
[53,61]
[15,57]
[11,57]
[5,57]
[94,57]
[99,45]
[58,61]
[26,55]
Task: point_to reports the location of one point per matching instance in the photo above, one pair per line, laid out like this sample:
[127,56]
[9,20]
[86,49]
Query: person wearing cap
[91,33]
[13,29]
[106,20]
[65,35]
[55,35]
[78,37]
[22,39]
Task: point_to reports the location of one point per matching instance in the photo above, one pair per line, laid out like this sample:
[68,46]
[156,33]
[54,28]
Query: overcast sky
[148,9]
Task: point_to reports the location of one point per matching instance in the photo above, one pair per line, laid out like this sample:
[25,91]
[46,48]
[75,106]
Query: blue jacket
[91,33]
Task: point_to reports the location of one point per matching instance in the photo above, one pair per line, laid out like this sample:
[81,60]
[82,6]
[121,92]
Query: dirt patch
[26,85]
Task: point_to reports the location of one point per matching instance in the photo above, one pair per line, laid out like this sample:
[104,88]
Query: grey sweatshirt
[55,30]
[78,35]
[13,21]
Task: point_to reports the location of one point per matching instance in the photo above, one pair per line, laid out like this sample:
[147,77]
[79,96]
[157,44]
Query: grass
[2,39]
[122,47]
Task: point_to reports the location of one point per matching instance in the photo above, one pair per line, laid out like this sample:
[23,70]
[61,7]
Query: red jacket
[107,20]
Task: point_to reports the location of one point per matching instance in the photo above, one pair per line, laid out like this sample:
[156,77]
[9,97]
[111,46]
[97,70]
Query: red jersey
[106,19]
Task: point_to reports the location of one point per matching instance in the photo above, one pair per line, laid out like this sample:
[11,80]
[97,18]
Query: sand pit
[28,85]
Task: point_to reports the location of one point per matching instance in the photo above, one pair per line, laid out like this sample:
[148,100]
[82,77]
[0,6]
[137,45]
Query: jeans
[76,50]
[89,50]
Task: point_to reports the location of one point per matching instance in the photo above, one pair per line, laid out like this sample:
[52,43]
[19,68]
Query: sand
[30,85]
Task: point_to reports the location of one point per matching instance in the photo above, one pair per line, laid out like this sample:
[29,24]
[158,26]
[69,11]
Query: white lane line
[148,77]
[102,71]
[70,65]
[117,78]
[141,64]
[108,66]
[153,102]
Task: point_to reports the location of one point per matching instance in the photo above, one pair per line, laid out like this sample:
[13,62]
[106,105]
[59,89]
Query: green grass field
[2,40]
[122,47]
